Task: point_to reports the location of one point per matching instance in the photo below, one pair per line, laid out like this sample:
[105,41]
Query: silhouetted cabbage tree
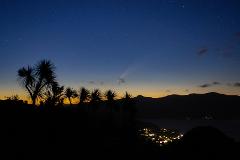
[54,95]
[70,94]
[129,106]
[36,78]
[110,102]
[84,96]
[95,98]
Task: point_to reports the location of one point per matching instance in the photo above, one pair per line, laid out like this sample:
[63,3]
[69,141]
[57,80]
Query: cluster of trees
[41,84]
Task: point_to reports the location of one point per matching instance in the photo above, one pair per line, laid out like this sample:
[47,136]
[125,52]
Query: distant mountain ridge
[192,106]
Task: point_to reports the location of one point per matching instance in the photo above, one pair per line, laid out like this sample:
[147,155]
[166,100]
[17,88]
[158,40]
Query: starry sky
[148,47]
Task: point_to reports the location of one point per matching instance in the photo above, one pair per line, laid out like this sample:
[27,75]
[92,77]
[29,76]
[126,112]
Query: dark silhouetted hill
[193,106]
[205,143]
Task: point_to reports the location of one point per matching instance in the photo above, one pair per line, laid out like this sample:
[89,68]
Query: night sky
[152,47]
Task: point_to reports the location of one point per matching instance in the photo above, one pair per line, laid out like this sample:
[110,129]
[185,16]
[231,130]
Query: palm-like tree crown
[36,78]
[110,95]
[70,93]
[96,96]
[127,101]
[54,95]
[84,95]
[45,70]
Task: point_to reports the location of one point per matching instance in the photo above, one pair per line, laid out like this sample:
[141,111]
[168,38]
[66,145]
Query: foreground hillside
[28,132]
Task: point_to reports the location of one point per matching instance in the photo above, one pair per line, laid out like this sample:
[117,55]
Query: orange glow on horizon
[154,93]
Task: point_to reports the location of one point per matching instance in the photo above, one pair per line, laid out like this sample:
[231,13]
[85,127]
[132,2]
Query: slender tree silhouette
[84,95]
[126,101]
[70,93]
[129,106]
[54,95]
[110,96]
[95,99]
[36,78]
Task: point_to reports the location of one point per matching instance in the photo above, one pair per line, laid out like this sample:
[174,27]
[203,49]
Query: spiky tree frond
[70,93]
[84,95]
[36,79]
[45,70]
[96,95]
[110,95]
[26,76]
[54,94]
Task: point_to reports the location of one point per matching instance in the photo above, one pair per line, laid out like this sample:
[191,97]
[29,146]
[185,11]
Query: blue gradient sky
[158,47]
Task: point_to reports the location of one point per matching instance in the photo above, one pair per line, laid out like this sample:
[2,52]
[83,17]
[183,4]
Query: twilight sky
[148,47]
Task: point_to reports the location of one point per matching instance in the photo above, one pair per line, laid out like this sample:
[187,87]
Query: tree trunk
[34,101]
[70,100]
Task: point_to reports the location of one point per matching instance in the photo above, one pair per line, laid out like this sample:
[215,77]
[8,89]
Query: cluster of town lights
[160,136]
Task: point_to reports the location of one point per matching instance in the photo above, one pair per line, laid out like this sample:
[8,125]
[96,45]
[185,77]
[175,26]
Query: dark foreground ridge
[29,132]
